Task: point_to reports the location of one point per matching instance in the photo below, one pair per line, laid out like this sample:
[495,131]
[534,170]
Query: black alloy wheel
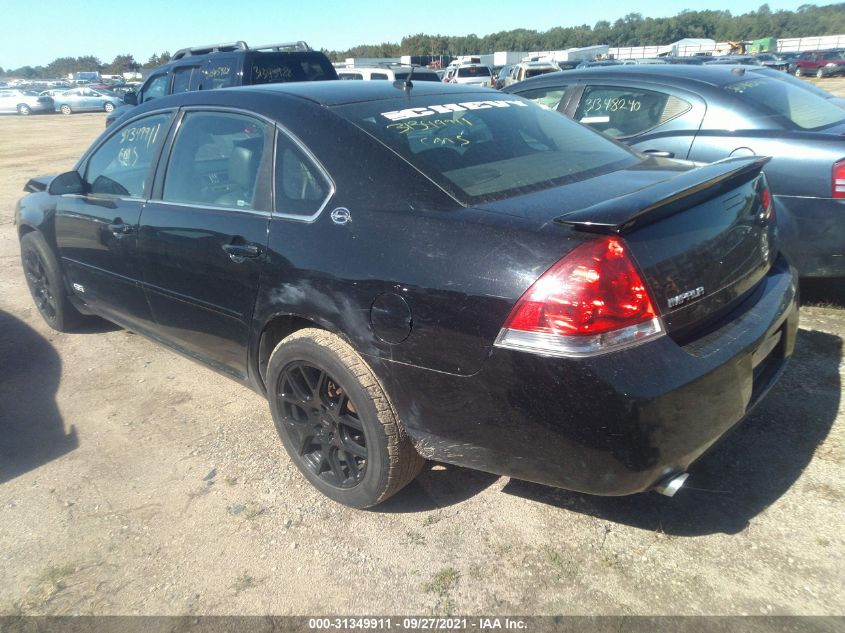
[324,424]
[44,279]
[335,420]
[39,284]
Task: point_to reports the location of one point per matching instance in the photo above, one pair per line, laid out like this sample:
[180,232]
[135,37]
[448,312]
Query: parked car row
[27,102]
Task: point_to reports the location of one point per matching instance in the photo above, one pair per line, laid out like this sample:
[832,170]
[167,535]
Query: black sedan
[424,271]
[708,113]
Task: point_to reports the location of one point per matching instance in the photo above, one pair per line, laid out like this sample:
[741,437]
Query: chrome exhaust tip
[671,484]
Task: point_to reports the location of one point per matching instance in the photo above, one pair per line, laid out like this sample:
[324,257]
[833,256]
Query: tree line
[631,30]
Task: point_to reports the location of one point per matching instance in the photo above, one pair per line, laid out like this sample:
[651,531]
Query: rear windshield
[417,76]
[474,71]
[270,68]
[492,149]
[533,72]
[797,105]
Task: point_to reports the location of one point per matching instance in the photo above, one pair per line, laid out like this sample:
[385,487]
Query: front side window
[121,165]
[216,160]
[301,188]
[378,76]
[155,88]
[620,111]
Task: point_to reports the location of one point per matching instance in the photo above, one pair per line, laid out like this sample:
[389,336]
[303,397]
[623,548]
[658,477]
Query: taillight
[592,301]
[766,202]
[838,179]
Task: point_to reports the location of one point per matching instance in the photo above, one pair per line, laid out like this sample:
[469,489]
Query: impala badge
[689,295]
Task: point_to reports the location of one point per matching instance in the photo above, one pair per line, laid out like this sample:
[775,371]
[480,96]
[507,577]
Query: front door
[97,232]
[203,239]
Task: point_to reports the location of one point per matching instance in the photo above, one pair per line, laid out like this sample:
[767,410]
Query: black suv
[224,65]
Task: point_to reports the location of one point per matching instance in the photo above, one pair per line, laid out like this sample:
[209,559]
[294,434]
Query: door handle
[119,228]
[237,252]
[659,153]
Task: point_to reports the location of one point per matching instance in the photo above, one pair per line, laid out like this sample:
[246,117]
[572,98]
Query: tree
[121,64]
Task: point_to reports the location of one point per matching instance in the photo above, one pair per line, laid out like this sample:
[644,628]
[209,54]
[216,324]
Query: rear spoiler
[652,204]
[39,183]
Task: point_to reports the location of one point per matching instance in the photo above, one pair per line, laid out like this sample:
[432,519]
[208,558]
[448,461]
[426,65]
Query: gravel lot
[133,481]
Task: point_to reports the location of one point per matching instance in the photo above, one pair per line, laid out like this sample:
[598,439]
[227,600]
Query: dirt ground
[133,481]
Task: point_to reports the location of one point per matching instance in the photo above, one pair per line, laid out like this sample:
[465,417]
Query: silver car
[23,101]
[86,99]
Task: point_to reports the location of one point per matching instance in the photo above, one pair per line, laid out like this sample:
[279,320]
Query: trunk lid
[702,239]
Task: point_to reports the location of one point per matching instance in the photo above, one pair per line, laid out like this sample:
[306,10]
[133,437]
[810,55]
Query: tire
[44,278]
[820,74]
[108,107]
[799,72]
[66,109]
[24,110]
[336,422]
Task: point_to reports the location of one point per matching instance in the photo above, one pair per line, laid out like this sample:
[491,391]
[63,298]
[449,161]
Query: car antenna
[406,84]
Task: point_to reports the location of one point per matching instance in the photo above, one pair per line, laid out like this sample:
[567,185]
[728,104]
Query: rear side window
[121,165]
[220,73]
[301,187]
[489,149]
[350,76]
[378,76]
[216,160]
[774,98]
[620,111]
[545,97]
[185,79]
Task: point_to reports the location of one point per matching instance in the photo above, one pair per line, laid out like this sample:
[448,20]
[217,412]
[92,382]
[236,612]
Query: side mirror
[131,98]
[67,183]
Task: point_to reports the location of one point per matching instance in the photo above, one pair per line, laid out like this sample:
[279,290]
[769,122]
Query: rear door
[204,235]
[655,119]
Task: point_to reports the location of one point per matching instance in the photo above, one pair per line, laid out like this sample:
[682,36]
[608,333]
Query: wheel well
[277,329]
[23,230]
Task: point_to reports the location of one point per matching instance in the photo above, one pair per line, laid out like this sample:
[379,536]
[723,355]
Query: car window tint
[545,97]
[182,79]
[220,73]
[120,166]
[489,149]
[378,76]
[474,71]
[155,89]
[215,161]
[350,76]
[780,99]
[301,188]
[619,111]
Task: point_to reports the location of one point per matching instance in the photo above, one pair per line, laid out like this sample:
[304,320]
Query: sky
[36,34]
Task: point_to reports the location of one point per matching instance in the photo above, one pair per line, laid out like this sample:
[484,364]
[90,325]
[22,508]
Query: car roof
[333,93]
[714,75]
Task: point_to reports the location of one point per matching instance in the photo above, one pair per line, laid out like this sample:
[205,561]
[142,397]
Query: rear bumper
[611,425]
[812,234]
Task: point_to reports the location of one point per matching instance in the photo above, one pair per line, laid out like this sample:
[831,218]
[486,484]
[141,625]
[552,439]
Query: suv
[820,63]
[395,73]
[475,74]
[524,70]
[224,65]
